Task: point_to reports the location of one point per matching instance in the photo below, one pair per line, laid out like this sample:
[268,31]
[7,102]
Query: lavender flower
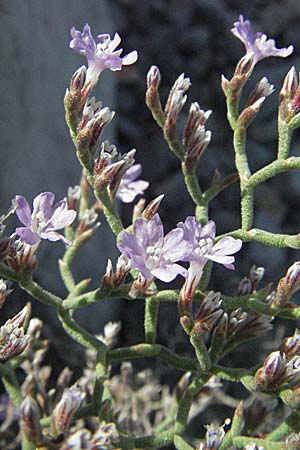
[45,219]
[258,43]
[204,248]
[130,187]
[100,56]
[153,254]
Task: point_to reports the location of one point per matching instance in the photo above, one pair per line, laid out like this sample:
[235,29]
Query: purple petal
[127,192]
[43,203]
[175,248]
[61,217]
[133,172]
[209,230]
[149,232]
[23,210]
[83,43]
[113,44]
[27,235]
[169,272]
[227,246]
[54,236]
[129,244]
[131,58]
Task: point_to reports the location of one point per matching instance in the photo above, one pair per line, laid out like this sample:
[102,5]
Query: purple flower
[130,187]
[204,248]
[258,43]
[45,219]
[100,56]
[153,254]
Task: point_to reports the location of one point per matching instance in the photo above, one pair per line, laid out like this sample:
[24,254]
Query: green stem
[183,412]
[241,162]
[272,169]
[290,425]
[192,184]
[77,332]
[154,441]
[201,351]
[110,213]
[39,293]
[267,238]
[180,444]
[149,350]
[285,134]
[150,321]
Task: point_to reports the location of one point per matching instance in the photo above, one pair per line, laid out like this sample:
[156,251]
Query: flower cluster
[156,255]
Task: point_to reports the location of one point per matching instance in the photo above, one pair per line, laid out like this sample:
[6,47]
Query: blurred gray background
[190,36]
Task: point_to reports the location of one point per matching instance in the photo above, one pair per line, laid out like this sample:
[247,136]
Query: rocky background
[190,36]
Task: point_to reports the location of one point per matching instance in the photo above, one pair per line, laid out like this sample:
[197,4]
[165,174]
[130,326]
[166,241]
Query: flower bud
[287,285]
[256,275]
[249,113]
[176,98]
[213,438]
[64,410]
[271,372]
[22,258]
[208,313]
[152,95]
[73,197]
[75,97]
[262,89]
[12,338]
[291,345]
[140,287]
[292,442]
[30,421]
[152,207]
[4,290]
[244,287]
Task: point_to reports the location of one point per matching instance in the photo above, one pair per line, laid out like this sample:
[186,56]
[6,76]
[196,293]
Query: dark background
[190,36]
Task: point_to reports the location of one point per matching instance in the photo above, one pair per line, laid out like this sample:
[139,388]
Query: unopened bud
[287,285]
[78,80]
[30,421]
[213,438]
[244,287]
[65,409]
[292,442]
[245,66]
[249,113]
[256,275]
[188,289]
[208,313]
[111,331]
[291,345]
[87,221]
[290,85]
[152,207]
[4,290]
[122,268]
[152,95]
[138,209]
[22,258]
[272,370]
[140,287]
[176,98]
[12,338]
[73,197]
[262,89]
